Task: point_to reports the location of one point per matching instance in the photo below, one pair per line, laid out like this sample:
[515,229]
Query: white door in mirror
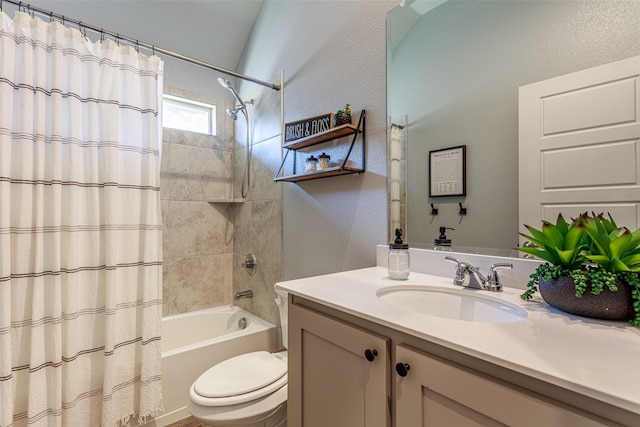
[579,143]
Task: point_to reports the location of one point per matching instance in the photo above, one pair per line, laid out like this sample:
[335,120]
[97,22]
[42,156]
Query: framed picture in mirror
[448,172]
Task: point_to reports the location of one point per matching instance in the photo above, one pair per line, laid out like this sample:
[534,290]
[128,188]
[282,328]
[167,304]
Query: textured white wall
[332,52]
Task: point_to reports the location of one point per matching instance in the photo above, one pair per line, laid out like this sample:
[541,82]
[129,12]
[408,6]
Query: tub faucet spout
[244,294]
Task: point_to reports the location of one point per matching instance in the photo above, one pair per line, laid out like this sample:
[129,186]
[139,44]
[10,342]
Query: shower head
[224,83]
[233,113]
[227,85]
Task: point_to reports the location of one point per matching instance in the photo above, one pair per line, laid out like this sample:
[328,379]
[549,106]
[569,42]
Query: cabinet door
[436,393]
[331,381]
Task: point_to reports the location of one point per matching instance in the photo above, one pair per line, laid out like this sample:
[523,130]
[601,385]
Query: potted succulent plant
[342,117]
[592,268]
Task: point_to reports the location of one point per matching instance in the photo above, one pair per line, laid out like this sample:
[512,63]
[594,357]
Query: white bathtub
[193,342]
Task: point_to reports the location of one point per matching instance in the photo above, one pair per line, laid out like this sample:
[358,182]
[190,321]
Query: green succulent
[592,250]
[560,244]
[612,248]
[346,110]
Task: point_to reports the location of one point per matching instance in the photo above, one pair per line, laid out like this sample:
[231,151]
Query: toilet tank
[281,302]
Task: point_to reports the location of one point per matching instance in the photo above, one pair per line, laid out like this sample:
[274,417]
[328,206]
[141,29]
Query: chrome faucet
[464,272]
[244,294]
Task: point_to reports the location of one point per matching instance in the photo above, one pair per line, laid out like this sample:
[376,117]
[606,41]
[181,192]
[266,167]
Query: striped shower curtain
[80,228]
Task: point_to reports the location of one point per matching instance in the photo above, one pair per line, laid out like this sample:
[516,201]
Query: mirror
[453,73]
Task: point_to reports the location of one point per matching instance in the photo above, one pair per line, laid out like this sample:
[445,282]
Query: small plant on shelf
[596,257]
[342,116]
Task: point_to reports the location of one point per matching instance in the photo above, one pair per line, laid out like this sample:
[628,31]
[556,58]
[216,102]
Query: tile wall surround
[205,243]
[197,237]
[258,221]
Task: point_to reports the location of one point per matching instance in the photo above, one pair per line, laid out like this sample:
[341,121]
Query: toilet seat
[240,379]
[243,414]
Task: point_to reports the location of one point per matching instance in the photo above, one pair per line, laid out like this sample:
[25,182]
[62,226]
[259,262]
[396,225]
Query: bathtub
[193,342]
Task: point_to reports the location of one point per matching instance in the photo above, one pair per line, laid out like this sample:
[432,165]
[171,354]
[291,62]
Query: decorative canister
[312,164]
[324,161]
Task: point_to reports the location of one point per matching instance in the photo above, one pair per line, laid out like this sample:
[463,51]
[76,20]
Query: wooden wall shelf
[328,135]
[334,171]
[318,138]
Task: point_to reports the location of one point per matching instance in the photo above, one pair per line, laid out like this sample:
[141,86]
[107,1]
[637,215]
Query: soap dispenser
[442,243]
[398,258]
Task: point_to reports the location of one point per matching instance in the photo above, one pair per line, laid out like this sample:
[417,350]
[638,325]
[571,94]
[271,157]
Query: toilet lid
[240,375]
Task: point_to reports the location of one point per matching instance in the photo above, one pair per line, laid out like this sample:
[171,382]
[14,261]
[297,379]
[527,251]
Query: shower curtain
[80,228]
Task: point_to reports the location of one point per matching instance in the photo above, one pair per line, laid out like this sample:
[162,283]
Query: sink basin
[458,304]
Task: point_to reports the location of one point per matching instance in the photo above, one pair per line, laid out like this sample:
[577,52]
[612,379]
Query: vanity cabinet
[436,393]
[347,372]
[338,375]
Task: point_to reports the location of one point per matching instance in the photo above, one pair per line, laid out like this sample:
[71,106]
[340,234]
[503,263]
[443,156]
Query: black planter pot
[341,119]
[561,293]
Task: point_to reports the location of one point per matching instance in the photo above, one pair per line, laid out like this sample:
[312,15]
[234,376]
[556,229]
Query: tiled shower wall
[197,235]
[258,221]
[205,242]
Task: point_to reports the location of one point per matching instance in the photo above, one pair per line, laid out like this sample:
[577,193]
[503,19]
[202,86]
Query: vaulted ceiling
[213,31]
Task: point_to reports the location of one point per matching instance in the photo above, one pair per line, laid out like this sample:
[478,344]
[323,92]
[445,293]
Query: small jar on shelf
[312,164]
[324,161]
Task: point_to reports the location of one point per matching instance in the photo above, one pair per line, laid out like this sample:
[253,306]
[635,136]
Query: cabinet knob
[402,369]
[370,355]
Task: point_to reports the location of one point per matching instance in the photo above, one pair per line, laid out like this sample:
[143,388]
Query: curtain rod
[24,7]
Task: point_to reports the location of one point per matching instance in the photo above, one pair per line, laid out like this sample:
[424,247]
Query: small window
[186,114]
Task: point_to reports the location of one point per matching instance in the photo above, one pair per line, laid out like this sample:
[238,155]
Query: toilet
[249,390]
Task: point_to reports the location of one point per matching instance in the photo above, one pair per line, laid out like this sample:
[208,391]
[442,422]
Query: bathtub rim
[256,324]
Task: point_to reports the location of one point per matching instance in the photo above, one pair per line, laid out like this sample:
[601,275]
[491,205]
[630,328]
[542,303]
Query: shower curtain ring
[50,17]
[20,7]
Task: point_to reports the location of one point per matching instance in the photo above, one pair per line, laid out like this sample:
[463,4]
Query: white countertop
[599,359]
